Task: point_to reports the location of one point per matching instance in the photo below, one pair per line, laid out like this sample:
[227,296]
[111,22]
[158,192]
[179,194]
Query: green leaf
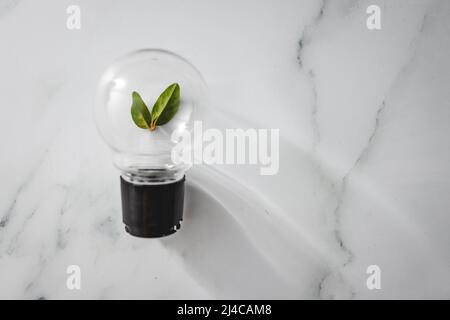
[166,106]
[139,112]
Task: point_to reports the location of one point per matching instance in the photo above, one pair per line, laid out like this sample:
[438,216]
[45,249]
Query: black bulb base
[152,210]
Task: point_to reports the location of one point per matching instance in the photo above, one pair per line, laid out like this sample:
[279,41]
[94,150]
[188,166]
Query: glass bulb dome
[144,155]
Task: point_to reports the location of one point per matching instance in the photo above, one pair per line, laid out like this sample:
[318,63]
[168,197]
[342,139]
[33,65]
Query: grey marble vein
[364,153]
[304,40]
[4,221]
[305,37]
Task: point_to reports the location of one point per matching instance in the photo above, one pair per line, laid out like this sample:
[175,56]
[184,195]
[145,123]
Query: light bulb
[152,183]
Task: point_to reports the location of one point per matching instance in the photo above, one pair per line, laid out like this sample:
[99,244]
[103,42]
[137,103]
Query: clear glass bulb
[142,155]
[152,182]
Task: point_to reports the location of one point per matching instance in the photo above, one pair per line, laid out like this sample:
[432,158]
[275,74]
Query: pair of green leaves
[163,110]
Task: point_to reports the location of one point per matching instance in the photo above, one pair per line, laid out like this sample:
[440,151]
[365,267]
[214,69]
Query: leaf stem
[152,126]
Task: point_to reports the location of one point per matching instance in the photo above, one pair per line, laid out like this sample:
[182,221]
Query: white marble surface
[364,171]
